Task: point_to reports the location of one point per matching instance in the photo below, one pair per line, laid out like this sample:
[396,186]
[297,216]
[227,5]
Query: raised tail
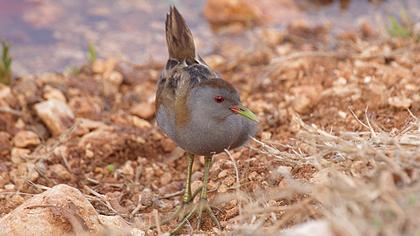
[178,36]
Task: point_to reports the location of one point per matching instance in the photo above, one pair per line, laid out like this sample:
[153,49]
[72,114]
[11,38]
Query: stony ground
[339,137]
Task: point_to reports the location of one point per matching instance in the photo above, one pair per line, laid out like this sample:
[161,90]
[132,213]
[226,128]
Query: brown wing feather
[183,70]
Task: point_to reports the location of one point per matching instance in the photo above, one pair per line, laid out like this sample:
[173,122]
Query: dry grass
[366,183]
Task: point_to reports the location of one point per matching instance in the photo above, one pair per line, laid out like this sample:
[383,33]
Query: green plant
[396,29]
[5,65]
[92,53]
[110,168]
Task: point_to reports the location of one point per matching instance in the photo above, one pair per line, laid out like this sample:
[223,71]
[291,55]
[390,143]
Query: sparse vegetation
[92,54]
[5,65]
[396,29]
[338,146]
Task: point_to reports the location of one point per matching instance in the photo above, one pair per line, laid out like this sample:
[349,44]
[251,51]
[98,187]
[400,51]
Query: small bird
[198,110]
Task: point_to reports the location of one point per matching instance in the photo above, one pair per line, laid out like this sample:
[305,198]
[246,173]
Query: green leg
[204,205]
[187,194]
[207,164]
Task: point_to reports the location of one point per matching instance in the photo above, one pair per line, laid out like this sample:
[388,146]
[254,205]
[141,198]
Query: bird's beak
[243,111]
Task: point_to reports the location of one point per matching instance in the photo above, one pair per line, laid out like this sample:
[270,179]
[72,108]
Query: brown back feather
[178,37]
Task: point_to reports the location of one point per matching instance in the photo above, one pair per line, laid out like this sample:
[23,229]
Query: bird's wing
[183,70]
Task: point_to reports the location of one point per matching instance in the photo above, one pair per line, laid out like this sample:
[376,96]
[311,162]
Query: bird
[201,112]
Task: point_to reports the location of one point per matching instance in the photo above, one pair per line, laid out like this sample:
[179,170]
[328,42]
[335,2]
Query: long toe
[213,217]
[205,206]
[187,213]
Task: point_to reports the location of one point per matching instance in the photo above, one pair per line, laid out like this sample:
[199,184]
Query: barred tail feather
[178,36]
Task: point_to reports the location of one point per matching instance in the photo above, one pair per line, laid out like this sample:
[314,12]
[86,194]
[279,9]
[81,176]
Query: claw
[198,208]
[202,205]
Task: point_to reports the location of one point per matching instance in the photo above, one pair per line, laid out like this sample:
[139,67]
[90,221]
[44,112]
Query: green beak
[243,111]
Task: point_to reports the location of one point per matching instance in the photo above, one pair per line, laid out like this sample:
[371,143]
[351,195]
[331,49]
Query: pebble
[168,145]
[400,102]
[146,197]
[18,155]
[229,181]
[143,110]
[112,82]
[222,12]
[26,138]
[60,171]
[5,144]
[127,169]
[266,135]
[195,185]
[138,122]
[222,174]
[56,115]
[9,187]
[166,178]
[222,188]
[51,93]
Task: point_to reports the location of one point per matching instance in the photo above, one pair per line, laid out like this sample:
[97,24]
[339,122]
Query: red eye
[219,99]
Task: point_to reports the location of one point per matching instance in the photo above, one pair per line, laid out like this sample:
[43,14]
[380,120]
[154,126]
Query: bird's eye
[219,99]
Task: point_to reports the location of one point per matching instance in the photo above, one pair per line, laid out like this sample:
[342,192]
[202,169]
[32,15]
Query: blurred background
[50,35]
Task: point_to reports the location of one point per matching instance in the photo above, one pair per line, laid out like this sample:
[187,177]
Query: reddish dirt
[135,166]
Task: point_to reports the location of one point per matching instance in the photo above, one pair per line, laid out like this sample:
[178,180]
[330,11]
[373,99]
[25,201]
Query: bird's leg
[204,205]
[187,194]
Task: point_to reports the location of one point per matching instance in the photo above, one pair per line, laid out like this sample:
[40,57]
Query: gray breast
[208,137]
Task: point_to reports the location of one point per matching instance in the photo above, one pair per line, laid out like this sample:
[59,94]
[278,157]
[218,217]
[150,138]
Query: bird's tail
[178,36]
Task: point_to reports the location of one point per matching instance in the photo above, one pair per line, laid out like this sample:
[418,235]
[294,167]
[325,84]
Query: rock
[5,144]
[168,145]
[229,181]
[24,172]
[62,210]
[60,171]
[315,228]
[400,102]
[222,188]
[301,104]
[195,185]
[51,93]
[266,135]
[6,96]
[222,174]
[215,60]
[305,97]
[86,106]
[222,12]
[85,126]
[56,115]
[177,153]
[143,110]
[25,88]
[166,178]
[26,138]
[115,225]
[98,137]
[146,197]
[416,69]
[112,83]
[127,169]
[18,155]
[104,66]
[138,122]
[246,12]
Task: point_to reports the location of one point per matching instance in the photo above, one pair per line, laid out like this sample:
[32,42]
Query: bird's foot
[189,210]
